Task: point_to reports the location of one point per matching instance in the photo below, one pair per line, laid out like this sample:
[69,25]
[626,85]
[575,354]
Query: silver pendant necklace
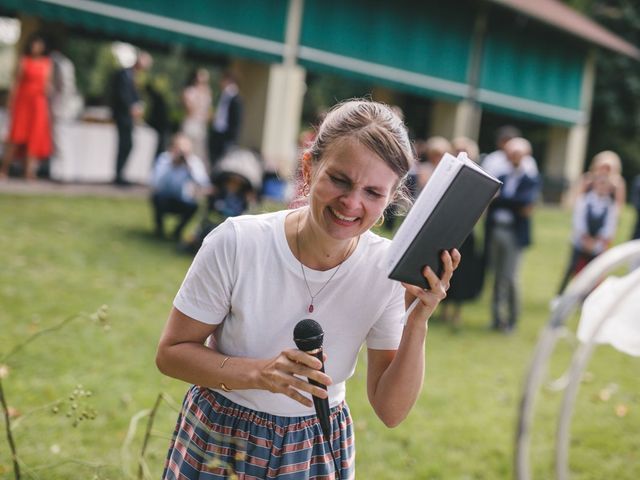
[304,275]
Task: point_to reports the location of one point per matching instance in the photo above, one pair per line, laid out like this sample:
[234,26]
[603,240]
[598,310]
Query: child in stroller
[236,184]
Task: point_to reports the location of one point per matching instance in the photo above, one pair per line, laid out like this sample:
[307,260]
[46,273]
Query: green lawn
[63,256]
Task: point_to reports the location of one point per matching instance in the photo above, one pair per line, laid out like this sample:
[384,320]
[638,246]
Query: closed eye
[373,193]
[340,181]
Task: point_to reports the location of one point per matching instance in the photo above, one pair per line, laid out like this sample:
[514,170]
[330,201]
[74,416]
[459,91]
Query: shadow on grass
[145,236]
[471,328]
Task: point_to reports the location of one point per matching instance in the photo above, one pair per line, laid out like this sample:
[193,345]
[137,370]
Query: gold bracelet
[222,385]
[224,361]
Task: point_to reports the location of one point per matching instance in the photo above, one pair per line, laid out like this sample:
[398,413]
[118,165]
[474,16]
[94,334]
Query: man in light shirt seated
[178,179]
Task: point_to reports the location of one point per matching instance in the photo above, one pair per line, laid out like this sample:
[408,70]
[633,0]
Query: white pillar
[452,120]
[555,163]
[565,156]
[577,138]
[579,134]
[254,82]
[567,146]
[282,117]
[273,96]
[284,100]
[443,119]
[467,120]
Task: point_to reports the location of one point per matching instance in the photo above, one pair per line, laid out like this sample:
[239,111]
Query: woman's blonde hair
[607,158]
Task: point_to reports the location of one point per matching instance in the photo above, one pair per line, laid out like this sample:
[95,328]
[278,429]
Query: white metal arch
[581,286]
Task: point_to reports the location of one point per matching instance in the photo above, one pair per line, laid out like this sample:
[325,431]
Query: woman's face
[37,47]
[601,185]
[350,188]
[602,168]
[202,76]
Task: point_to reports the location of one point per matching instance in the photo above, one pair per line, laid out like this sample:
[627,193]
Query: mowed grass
[62,256]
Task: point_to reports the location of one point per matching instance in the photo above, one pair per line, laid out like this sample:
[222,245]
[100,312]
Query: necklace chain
[304,275]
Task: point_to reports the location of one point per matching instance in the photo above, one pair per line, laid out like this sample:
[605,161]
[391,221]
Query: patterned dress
[217,439]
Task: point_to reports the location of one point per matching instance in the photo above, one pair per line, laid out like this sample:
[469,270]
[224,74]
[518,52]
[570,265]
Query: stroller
[236,184]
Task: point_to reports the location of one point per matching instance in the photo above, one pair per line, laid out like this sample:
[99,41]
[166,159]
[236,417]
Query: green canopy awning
[256,30]
[420,47]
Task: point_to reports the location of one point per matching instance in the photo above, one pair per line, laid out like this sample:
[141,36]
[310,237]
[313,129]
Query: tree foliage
[615,118]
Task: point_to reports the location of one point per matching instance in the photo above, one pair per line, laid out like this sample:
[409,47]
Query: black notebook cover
[448,225]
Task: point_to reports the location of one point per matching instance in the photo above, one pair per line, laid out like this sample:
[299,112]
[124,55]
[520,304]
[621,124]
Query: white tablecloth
[86,152]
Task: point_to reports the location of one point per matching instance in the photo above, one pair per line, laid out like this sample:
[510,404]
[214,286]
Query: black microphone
[308,335]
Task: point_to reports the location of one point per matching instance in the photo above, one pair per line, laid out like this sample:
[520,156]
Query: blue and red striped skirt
[216,438]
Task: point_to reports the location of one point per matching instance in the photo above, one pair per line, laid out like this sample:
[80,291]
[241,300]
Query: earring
[380,221]
[306,166]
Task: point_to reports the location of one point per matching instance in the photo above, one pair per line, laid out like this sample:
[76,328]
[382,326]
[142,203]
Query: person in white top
[196,99]
[66,103]
[230,332]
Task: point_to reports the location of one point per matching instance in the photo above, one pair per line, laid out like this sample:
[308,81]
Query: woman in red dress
[30,126]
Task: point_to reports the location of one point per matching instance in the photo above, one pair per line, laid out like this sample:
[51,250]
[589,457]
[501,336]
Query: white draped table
[86,152]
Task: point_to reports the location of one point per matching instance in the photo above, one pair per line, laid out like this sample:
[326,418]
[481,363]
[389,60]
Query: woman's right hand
[287,373]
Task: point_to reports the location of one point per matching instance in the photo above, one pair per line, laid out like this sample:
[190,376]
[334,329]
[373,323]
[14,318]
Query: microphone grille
[308,334]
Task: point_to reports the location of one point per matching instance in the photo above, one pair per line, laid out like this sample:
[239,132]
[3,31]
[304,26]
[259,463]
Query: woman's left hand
[437,291]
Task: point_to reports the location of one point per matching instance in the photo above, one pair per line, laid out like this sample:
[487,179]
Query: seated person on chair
[178,178]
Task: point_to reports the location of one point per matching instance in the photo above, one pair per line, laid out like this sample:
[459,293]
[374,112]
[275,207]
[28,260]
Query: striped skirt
[216,438]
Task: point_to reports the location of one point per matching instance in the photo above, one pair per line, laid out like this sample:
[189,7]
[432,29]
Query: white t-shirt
[246,279]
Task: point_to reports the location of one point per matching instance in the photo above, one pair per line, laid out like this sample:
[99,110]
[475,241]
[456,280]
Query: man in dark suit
[509,232]
[126,108]
[227,121]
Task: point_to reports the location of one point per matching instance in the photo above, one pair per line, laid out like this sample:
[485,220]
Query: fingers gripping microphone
[308,336]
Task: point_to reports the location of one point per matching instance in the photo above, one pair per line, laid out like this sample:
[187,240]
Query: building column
[452,120]
[577,139]
[283,111]
[567,146]
[253,79]
[273,96]
[285,92]
[565,156]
